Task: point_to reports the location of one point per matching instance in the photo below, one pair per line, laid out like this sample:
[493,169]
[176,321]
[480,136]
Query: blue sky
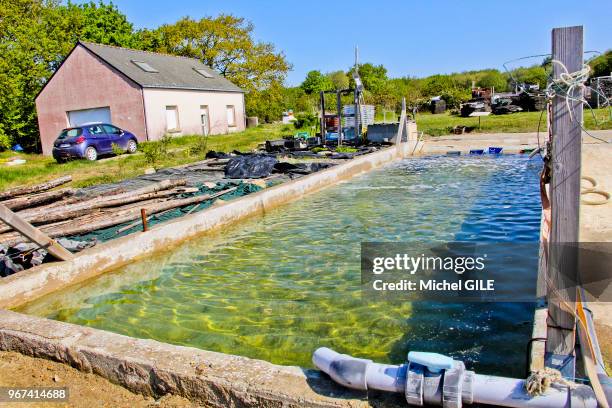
[415,38]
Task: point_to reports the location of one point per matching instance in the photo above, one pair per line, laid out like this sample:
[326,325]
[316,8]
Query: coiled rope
[593,190]
[540,381]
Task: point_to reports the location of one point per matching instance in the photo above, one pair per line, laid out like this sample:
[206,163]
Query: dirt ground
[604,336]
[85,390]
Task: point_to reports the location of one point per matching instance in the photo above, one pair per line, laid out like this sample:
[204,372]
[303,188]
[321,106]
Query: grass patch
[178,150]
[442,124]
[345,149]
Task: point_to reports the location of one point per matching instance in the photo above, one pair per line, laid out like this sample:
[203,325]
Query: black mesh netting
[106,234]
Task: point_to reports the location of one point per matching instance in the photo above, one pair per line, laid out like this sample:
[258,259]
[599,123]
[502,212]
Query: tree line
[386,92]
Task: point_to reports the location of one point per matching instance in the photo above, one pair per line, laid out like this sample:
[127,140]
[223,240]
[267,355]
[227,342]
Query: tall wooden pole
[567,48]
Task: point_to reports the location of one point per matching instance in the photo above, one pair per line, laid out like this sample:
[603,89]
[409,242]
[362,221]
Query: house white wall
[188,103]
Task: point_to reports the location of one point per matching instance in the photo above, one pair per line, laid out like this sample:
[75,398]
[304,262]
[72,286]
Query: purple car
[91,140]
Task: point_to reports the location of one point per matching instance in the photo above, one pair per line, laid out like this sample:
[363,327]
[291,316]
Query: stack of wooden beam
[62,212]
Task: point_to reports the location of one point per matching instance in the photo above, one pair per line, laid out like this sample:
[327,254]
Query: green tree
[29,50]
[35,37]
[493,79]
[373,77]
[536,74]
[266,104]
[601,65]
[436,85]
[338,79]
[316,82]
[99,23]
[295,98]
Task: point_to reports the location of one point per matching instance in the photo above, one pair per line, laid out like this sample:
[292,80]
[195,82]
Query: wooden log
[37,188]
[34,200]
[34,234]
[108,218]
[78,211]
[52,217]
[80,208]
[75,199]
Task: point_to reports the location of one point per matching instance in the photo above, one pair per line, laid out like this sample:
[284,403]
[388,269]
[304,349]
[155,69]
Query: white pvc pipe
[386,377]
[510,392]
[382,377]
[490,390]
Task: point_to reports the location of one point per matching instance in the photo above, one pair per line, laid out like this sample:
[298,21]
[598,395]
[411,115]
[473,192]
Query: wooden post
[567,47]
[34,234]
[143,216]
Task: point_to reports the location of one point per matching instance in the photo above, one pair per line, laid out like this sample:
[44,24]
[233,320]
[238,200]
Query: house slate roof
[174,72]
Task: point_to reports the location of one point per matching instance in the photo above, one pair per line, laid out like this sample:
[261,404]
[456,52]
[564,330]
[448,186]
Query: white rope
[572,87]
[540,381]
[569,85]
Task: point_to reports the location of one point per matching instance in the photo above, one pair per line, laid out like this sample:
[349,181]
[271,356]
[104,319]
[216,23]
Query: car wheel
[132,146]
[91,153]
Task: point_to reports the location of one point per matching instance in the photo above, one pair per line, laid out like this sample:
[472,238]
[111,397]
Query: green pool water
[279,286]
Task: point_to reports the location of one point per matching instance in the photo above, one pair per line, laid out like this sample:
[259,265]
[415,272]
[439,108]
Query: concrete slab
[596,226]
[511,142]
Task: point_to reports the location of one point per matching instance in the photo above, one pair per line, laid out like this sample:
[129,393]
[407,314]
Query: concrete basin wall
[154,369]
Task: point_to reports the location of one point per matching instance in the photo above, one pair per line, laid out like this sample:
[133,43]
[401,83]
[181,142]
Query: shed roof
[170,71]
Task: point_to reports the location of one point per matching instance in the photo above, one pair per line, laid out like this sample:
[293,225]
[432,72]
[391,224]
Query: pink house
[148,94]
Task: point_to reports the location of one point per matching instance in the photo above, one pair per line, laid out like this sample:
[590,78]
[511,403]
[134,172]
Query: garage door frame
[81,116]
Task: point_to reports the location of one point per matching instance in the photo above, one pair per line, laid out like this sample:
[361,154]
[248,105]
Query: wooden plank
[567,47]
[34,234]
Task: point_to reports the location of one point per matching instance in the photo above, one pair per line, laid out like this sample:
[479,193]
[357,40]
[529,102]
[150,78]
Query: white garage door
[79,117]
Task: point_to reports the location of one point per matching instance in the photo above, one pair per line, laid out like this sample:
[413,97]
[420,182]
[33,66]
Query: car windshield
[74,132]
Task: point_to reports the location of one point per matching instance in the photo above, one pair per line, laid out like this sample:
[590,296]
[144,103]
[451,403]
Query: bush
[304,120]
[154,152]
[200,148]
[5,142]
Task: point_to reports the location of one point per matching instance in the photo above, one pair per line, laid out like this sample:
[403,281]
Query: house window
[203,72]
[144,66]
[172,119]
[231,116]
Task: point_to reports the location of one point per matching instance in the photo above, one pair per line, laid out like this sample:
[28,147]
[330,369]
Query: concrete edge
[26,286]
[154,369]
